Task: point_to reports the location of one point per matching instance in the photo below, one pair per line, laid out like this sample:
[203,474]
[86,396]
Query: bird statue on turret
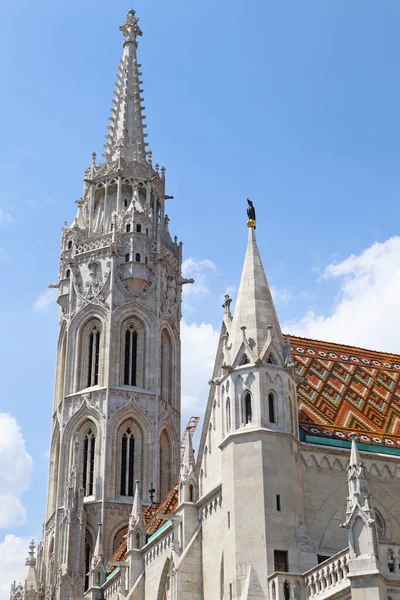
[251,213]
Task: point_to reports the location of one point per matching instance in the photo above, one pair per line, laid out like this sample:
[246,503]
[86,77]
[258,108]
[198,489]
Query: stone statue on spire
[251,213]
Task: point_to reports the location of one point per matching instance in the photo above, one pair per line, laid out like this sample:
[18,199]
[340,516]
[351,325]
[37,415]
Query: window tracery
[133,350]
[127,463]
[91,354]
[88,459]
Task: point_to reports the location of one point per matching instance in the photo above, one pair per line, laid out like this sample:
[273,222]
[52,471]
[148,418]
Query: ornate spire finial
[130,28]
[31,561]
[251,213]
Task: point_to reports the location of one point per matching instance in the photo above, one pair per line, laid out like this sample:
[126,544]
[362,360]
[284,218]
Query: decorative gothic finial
[31,561]
[227,303]
[130,28]
[251,213]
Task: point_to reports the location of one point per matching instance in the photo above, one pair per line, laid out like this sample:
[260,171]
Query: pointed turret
[254,308]
[137,511]
[98,553]
[27,588]
[126,132]
[188,461]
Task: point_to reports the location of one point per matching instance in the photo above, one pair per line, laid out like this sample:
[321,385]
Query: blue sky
[294,104]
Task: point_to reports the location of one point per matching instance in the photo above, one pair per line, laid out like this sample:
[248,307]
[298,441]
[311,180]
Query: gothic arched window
[165,464]
[132,355]
[127,463]
[127,257]
[138,228]
[88,557]
[91,354]
[228,415]
[137,257]
[271,407]
[248,416]
[89,447]
[128,228]
[130,358]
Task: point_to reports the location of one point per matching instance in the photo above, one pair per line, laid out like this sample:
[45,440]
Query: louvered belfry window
[93,357]
[130,356]
[127,463]
[89,447]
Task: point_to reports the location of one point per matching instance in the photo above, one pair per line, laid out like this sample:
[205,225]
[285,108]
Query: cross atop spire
[126,132]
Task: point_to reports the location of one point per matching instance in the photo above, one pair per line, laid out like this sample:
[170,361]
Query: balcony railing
[329,577]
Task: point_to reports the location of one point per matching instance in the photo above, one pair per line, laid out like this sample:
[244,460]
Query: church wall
[214,522]
[325,492]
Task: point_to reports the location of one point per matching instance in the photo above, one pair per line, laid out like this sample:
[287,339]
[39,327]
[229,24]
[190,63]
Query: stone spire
[358,484]
[136,512]
[126,132]
[360,520]
[188,461]
[98,553]
[254,308]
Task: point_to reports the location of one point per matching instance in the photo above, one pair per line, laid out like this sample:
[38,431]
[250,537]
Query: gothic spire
[187,462]
[136,512]
[358,484]
[126,132]
[254,318]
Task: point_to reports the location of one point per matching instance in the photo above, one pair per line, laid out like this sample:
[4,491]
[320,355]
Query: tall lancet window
[130,358]
[91,354]
[127,463]
[89,449]
[248,415]
[166,367]
[132,353]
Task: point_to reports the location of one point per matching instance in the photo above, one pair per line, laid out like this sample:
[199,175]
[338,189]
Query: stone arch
[165,463]
[61,364]
[118,538]
[167,364]
[77,423]
[54,466]
[133,352]
[76,346]
[165,582]
[128,425]
[143,319]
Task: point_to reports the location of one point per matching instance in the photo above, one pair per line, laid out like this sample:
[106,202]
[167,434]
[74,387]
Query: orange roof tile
[345,389]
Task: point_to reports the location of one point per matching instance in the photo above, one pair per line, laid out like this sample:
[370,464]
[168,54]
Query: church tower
[116,412]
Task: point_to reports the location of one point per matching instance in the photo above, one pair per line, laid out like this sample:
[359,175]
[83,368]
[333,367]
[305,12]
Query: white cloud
[366,310]
[199,347]
[281,296]
[15,471]
[45,300]
[6,217]
[198,269]
[13,551]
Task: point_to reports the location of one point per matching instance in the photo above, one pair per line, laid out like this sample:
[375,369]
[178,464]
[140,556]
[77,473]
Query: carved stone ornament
[94,290]
[93,400]
[123,399]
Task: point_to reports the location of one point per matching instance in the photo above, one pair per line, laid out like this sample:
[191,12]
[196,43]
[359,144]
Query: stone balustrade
[115,583]
[286,586]
[329,577]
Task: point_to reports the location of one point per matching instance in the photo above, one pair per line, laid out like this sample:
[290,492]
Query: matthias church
[294,491]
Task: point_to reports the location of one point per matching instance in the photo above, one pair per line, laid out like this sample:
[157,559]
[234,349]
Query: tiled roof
[345,389]
[153,522]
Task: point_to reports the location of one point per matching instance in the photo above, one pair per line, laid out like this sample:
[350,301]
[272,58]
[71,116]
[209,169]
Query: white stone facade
[258,510]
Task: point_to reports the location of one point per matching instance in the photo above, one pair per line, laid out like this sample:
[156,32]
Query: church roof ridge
[294,337]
